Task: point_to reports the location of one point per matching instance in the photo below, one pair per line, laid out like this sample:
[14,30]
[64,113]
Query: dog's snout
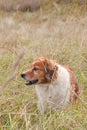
[22,75]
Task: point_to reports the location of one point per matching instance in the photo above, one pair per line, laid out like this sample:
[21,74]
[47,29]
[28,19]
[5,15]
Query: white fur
[56,94]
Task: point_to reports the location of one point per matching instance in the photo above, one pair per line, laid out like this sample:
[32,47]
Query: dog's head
[41,71]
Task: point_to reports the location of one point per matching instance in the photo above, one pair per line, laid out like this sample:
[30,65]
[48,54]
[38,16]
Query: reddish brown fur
[40,74]
[75,86]
[43,65]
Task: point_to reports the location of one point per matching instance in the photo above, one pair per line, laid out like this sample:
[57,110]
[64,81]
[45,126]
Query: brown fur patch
[46,72]
[75,90]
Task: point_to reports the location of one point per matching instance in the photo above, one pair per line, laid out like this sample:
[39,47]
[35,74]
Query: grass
[53,34]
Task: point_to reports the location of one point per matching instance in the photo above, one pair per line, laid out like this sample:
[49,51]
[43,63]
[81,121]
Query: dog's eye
[35,68]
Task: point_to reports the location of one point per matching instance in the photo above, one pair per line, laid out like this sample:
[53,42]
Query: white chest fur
[56,94]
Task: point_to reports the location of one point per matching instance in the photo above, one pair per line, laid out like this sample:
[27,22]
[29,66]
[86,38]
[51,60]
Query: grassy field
[59,34]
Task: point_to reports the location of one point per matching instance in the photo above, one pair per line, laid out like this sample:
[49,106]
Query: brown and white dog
[56,85]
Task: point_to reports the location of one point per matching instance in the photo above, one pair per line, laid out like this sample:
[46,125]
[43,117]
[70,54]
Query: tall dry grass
[59,34]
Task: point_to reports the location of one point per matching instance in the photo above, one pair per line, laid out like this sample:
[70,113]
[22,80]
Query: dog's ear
[50,69]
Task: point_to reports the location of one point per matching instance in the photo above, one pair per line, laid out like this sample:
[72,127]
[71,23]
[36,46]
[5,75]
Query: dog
[56,85]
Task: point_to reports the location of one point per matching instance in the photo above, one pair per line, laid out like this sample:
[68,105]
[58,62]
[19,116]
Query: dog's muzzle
[29,82]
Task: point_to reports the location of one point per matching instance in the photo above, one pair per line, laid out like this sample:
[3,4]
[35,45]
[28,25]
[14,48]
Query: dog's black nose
[22,75]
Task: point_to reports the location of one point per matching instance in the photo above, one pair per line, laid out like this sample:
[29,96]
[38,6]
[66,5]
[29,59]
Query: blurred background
[54,29]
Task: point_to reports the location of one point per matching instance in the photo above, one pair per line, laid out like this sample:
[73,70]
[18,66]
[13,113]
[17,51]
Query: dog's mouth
[31,82]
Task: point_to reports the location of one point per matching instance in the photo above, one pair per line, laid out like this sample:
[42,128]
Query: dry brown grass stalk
[13,71]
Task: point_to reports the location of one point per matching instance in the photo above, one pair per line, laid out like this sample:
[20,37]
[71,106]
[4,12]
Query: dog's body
[56,85]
